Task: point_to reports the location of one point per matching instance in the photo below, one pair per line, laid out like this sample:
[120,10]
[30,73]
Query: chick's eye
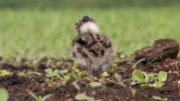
[81,42]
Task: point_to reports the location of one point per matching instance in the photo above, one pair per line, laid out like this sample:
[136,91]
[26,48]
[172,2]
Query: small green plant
[24,73]
[151,61]
[75,84]
[28,73]
[162,76]
[79,73]
[3,94]
[58,63]
[119,80]
[84,97]
[114,66]
[52,76]
[51,82]
[95,84]
[122,84]
[138,77]
[63,71]
[158,98]
[33,63]
[39,98]
[152,79]
[139,61]
[103,76]
[51,73]
[4,72]
[122,57]
[67,77]
[133,92]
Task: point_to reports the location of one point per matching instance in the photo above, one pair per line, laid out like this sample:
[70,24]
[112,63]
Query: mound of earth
[161,50]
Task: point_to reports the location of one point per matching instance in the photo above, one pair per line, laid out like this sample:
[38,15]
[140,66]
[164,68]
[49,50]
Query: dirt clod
[161,50]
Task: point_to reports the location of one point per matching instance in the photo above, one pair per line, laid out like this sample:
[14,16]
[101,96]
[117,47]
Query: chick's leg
[88,62]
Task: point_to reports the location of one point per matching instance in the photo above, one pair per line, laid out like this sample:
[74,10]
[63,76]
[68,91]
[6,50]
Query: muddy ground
[34,80]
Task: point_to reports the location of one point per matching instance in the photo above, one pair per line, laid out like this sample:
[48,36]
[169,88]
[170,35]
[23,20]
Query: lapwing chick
[91,48]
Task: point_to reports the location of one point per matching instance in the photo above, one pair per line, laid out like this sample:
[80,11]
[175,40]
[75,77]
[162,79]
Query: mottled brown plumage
[92,49]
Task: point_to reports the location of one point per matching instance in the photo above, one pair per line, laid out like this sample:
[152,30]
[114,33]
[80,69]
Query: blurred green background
[71,4]
[38,28]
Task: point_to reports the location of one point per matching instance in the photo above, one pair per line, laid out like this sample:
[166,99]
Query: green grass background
[43,30]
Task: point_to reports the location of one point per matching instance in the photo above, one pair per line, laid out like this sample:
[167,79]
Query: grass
[38,33]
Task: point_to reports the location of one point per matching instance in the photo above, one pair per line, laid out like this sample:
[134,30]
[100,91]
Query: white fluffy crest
[89,27]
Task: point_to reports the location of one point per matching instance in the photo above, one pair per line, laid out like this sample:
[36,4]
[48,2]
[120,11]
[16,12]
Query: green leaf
[152,76]
[138,76]
[95,84]
[122,84]
[122,56]
[76,85]
[104,74]
[39,98]
[83,96]
[58,63]
[133,92]
[70,74]
[46,97]
[64,71]
[87,78]
[162,76]
[4,72]
[24,73]
[48,71]
[56,72]
[156,84]
[114,67]
[50,81]
[51,73]
[3,94]
[33,95]
[139,61]
[147,77]
[82,73]
[157,98]
[144,85]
